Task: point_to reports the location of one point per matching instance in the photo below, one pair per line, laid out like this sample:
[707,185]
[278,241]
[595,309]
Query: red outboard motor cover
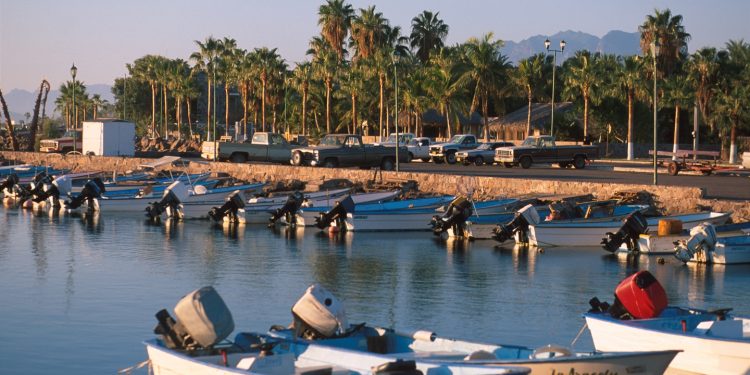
[641,295]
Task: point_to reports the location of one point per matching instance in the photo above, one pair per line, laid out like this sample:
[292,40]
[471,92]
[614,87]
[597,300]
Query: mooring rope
[580,332]
[130,369]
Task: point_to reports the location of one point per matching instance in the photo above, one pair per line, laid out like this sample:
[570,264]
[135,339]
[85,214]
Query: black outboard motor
[231,208]
[338,213]
[633,226]
[524,217]
[288,210]
[92,190]
[454,217]
[8,183]
[37,184]
[170,202]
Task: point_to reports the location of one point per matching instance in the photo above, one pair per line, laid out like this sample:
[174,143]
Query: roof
[432,117]
[540,116]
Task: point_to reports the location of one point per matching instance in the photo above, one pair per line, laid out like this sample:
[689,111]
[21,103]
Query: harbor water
[79,294]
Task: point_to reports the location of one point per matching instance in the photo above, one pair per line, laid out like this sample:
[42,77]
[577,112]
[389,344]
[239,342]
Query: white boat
[258,210]
[583,234]
[305,217]
[710,345]
[195,343]
[651,243]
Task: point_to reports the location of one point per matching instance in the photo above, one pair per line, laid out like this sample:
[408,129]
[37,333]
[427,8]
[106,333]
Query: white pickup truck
[419,148]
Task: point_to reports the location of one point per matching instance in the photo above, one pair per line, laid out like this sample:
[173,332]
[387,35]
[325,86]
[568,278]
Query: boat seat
[731,328]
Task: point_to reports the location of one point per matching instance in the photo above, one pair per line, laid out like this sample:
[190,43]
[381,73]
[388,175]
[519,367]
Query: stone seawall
[674,199]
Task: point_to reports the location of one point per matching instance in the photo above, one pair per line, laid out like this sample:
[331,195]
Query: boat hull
[700,354]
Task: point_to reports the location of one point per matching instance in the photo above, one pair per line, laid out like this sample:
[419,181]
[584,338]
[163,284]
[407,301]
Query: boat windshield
[333,140]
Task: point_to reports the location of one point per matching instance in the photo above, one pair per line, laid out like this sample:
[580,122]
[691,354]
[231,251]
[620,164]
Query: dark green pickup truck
[347,150]
[270,147]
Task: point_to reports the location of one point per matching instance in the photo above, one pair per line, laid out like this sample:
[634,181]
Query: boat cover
[205,316]
[321,310]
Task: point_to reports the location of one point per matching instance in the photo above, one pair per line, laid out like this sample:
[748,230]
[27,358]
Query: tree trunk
[733,143]
[304,110]
[263,104]
[448,120]
[676,142]
[328,105]
[190,123]
[630,125]
[585,118]
[9,124]
[153,109]
[485,106]
[208,107]
[226,108]
[43,91]
[166,112]
[381,78]
[354,113]
[177,104]
[528,115]
[244,110]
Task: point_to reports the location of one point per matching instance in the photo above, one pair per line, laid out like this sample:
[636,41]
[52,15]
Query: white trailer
[109,137]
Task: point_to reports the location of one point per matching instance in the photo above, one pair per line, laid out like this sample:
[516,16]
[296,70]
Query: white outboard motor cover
[64,185]
[321,310]
[204,316]
[702,237]
[200,190]
[180,190]
[530,214]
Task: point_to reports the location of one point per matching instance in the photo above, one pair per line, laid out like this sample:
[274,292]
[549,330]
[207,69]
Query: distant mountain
[21,101]
[614,42]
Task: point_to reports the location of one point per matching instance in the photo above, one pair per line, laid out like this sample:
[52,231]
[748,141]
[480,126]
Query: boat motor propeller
[459,210]
[170,202]
[288,210]
[90,193]
[633,226]
[338,213]
[524,217]
[233,205]
[702,239]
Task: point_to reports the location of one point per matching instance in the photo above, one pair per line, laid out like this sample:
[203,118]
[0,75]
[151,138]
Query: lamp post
[547,43]
[395,85]
[655,52]
[73,72]
[213,91]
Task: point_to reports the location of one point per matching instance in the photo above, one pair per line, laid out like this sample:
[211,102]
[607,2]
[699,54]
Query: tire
[330,163]
[563,165]
[410,158]
[579,162]
[508,165]
[450,157]
[478,161]
[297,158]
[426,160]
[525,162]
[387,164]
[673,168]
[438,161]
[238,157]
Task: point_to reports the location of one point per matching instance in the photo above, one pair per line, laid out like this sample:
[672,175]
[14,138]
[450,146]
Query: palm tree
[368,32]
[443,83]
[246,75]
[301,81]
[629,82]
[205,61]
[96,102]
[180,83]
[530,77]
[487,71]
[268,64]
[428,33]
[734,91]
[144,70]
[353,85]
[228,61]
[9,123]
[678,92]
[582,79]
[325,66]
[703,70]
[669,32]
[335,18]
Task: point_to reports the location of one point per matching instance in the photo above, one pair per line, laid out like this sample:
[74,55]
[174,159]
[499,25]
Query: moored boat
[652,243]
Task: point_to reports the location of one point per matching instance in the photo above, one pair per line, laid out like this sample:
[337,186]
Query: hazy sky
[42,38]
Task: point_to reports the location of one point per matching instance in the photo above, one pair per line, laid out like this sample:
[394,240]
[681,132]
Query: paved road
[716,186]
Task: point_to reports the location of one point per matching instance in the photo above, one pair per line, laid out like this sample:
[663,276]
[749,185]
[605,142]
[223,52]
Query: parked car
[446,152]
[63,144]
[419,148]
[485,153]
[347,150]
[542,149]
[270,147]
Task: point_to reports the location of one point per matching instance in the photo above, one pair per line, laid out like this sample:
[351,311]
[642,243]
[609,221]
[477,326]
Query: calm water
[79,296]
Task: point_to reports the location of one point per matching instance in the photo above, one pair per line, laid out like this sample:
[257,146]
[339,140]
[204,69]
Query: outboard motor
[459,210]
[61,186]
[633,226]
[203,320]
[319,314]
[702,238]
[36,186]
[170,203]
[288,210]
[524,217]
[6,186]
[91,193]
[338,213]
[233,209]
[638,296]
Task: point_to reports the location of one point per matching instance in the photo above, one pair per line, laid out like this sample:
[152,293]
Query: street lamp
[395,84]
[554,65]
[655,52]
[73,72]
[213,91]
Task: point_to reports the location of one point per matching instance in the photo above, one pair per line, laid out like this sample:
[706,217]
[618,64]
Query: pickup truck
[542,149]
[419,148]
[446,152]
[485,153]
[403,138]
[63,144]
[347,150]
[270,147]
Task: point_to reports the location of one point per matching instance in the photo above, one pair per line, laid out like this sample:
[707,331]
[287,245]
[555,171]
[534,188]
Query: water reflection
[522,256]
